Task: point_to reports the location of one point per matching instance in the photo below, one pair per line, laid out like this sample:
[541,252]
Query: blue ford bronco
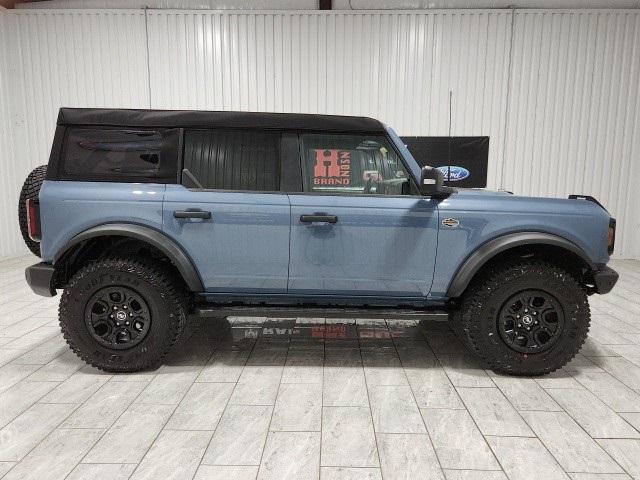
[143,217]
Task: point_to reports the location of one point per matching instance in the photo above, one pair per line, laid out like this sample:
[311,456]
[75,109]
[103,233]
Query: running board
[318,312]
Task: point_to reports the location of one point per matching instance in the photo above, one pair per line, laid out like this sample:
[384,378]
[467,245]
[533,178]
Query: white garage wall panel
[574,111]
[397,67]
[336,4]
[66,58]
[7,223]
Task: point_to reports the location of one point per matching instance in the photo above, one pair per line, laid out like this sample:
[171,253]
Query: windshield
[411,163]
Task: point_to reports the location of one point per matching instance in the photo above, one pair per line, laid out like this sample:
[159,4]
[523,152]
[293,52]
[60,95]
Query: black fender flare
[146,234]
[490,249]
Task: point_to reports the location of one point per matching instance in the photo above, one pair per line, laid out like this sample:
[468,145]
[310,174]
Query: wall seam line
[507,102]
[146,41]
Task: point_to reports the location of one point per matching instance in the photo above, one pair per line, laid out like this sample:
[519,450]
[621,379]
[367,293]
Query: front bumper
[605,279]
[39,278]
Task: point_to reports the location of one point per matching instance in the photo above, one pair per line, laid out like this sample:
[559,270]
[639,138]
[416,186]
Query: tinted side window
[352,164]
[233,159]
[121,154]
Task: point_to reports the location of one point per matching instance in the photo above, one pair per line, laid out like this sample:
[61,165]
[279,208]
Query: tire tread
[156,273]
[477,295]
[30,189]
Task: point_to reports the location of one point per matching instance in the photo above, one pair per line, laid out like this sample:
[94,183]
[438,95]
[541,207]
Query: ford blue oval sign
[453,173]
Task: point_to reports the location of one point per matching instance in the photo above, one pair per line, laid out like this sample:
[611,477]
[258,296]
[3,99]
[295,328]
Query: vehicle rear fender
[148,235]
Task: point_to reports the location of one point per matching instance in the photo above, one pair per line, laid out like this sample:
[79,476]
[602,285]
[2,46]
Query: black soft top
[198,118]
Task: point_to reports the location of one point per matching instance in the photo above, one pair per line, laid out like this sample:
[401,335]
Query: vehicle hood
[500,201]
[481,191]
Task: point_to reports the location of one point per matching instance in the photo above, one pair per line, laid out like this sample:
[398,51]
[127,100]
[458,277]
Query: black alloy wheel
[531,321]
[118,317]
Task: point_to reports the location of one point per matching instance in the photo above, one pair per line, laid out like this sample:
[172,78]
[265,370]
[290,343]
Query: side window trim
[414,181]
[180,159]
[291,176]
[303,168]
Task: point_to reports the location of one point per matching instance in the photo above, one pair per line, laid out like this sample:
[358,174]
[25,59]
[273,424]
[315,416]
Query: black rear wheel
[30,189]
[123,315]
[524,317]
[117,317]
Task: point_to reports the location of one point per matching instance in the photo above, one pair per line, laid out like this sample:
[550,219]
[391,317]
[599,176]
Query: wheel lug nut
[528,328]
[126,323]
[124,306]
[517,316]
[115,307]
[131,314]
[526,310]
[519,326]
[535,313]
[110,316]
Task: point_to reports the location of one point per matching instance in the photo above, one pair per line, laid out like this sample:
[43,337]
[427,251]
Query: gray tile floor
[258,398]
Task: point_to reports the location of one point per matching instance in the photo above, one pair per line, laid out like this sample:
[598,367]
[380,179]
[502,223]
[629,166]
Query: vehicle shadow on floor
[381,347]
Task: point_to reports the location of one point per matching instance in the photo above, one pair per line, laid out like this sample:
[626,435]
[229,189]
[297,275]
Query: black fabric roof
[196,118]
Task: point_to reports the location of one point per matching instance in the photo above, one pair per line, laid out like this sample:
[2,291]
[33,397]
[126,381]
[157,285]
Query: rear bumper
[605,279]
[39,278]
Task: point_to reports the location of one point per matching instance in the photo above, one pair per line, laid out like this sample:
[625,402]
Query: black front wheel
[123,315]
[524,317]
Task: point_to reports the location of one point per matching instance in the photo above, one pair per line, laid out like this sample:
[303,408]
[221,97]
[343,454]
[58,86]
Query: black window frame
[173,137]
[413,183]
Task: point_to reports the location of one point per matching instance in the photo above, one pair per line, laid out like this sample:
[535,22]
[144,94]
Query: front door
[359,228]
[230,216]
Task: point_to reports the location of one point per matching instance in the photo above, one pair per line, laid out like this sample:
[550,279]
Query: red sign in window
[332,167]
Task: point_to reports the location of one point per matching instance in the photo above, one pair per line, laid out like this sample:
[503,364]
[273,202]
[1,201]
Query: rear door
[359,228]
[229,214]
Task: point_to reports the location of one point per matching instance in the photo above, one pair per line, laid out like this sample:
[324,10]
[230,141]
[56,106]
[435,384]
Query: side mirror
[432,183]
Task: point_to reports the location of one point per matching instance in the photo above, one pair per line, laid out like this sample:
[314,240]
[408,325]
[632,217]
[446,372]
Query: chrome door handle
[318,219]
[195,213]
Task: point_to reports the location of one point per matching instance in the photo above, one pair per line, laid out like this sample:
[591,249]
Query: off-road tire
[155,282]
[30,189]
[476,321]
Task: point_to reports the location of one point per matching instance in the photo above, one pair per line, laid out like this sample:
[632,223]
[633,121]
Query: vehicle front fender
[474,262]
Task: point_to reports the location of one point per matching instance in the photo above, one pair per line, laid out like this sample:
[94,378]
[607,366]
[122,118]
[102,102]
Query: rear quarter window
[120,154]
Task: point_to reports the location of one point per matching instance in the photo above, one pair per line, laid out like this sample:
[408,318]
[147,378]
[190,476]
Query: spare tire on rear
[30,189]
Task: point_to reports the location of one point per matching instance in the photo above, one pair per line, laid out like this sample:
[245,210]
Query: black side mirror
[432,183]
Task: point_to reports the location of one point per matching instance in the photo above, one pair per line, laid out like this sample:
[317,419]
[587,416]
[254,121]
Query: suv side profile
[145,217]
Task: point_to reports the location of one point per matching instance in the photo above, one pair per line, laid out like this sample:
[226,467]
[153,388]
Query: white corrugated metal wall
[8,243]
[354,5]
[397,67]
[574,110]
[567,118]
[65,58]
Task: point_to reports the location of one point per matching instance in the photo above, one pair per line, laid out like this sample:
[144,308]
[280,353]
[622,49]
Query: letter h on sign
[326,164]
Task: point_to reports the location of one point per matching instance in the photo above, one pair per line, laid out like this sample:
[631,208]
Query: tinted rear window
[233,159]
[143,155]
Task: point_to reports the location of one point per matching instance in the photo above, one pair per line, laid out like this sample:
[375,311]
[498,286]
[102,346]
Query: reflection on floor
[248,398]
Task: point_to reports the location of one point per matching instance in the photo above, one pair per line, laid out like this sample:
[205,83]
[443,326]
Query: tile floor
[257,398]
